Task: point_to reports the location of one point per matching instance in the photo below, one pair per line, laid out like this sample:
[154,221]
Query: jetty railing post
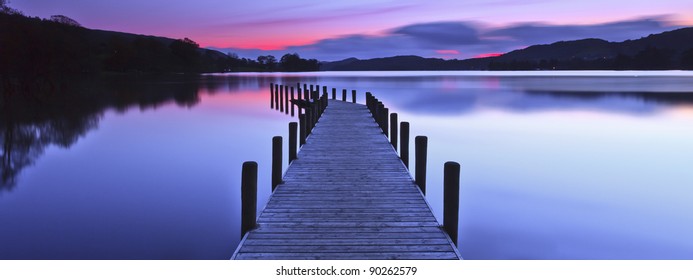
[324,90]
[286,99]
[344,95]
[353,96]
[292,104]
[451,198]
[272,95]
[276,97]
[305,94]
[281,98]
[386,115]
[293,127]
[421,147]
[276,161]
[404,143]
[334,93]
[393,130]
[302,129]
[248,197]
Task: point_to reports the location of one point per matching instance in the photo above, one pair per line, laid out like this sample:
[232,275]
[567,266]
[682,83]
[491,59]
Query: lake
[555,165]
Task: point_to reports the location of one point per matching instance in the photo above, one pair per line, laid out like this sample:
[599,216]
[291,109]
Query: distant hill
[31,47]
[663,51]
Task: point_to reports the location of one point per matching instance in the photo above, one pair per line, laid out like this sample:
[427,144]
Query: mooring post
[293,129]
[344,91]
[451,198]
[353,96]
[302,129]
[292,104]
[309,120]
[305,94]
[281,98]
[276,161]
[386,115]
[404,143]
[421,146]
[334,93]
[272,95]
[276,97]
[248,197]
[393,130]
[324,90]
[286,99]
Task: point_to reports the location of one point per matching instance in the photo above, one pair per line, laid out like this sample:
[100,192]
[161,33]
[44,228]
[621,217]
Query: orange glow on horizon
[485,55]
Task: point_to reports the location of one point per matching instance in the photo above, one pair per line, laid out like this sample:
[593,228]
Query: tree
[186,51]
[65,20]
[4,9]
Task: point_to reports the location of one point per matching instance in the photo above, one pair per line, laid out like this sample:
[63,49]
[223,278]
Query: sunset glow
[368,29]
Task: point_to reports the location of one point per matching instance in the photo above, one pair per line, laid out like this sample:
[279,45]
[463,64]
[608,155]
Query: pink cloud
[448,52]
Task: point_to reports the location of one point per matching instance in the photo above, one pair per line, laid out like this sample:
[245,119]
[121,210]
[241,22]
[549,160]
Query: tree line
[59,45]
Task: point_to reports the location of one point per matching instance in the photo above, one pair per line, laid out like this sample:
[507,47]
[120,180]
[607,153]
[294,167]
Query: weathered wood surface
[347,196]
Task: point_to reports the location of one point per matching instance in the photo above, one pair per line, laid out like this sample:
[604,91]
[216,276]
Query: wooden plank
[347,196]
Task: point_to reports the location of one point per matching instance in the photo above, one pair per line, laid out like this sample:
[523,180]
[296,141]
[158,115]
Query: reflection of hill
[32,119]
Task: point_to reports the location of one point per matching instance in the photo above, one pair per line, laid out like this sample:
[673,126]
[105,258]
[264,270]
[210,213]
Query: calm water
[555,165]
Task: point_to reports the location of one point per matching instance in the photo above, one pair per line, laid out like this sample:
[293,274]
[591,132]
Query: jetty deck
[347,196]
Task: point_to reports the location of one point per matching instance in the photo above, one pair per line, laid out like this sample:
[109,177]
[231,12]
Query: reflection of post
[293,126]
[404,143]
[421,147]
[393,130]
[451,198]
[272,95]
[276,161]
[353,96]
[248,197]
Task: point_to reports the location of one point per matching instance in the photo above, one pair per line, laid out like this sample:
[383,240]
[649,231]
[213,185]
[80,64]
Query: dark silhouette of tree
[187,53]
[293,62]
[687,59]
[4,9]
[65,20]
[652,58]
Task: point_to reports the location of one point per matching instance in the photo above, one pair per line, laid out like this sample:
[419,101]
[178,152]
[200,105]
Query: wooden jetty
[347,196]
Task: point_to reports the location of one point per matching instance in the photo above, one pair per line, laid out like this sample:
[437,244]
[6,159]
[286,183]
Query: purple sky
[333,30]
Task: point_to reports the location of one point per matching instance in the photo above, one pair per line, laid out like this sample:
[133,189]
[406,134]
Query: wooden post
[353,96]
[272,95]
[302,131]
[386,115]
[305,94]
[451,198]
[293,127]
[298,87]
[324,90]
[276,161]
[292,98]
[286,99]
[421,147]
[276,97]
[309,120]
[312,89]
[393,130]
[281,98]
[248,197]
[334,93]
[404,143]
[344,95]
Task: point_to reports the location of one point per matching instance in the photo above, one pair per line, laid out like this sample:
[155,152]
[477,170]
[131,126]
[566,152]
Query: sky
[335,30]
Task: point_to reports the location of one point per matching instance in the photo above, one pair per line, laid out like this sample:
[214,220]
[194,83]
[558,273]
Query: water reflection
[553,167]
[33,119]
